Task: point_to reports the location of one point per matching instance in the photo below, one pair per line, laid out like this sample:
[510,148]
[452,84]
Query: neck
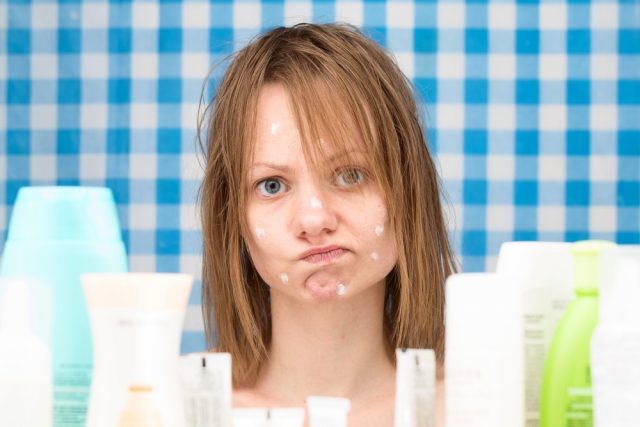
[333,348]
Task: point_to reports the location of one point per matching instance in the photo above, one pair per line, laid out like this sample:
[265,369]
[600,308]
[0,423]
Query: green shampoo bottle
[566,398]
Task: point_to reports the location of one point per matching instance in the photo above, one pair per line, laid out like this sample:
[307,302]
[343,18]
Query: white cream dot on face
[315,203]
[260,232]
[341,289]
[284,278]
[379,230]
[374,256]
[274,128]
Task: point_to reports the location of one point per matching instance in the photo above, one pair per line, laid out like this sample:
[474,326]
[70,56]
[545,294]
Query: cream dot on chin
[341,289]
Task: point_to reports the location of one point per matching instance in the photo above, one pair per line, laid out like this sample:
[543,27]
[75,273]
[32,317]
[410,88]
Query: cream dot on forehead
[379,230]
[341,289]
[260,233]
[274,128]
[284,278]
[315,203]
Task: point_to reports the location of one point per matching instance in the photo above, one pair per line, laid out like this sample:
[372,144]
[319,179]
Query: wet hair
[339,82]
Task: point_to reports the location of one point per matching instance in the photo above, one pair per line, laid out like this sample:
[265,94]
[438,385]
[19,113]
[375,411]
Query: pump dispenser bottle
[566,397]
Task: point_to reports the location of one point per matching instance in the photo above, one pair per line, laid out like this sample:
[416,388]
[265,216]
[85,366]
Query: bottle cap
[588,265]
[64,213]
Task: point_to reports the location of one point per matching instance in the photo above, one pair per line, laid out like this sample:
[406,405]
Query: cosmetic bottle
[415,388]
[328,411]
[483,361]
[136,321]
[268,417]
[206,388]
[615,345]
[55,234]
[140,410]
[250,417]
[566,395]
[26,379]
[542,273]
[286,417]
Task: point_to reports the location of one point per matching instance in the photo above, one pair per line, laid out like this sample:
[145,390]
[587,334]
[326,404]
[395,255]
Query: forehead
[317,130]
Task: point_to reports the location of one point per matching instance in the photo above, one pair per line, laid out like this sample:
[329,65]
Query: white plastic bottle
[26,378]
[542,273]
[483,361]
[615,345]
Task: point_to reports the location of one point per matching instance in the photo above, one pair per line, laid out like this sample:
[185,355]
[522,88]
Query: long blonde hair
[338,80]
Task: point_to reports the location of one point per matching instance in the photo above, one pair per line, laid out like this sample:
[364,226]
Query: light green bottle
[566,399]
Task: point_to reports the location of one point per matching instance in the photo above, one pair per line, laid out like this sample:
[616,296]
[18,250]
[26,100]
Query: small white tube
[328,411]
[206,385]
[415,388]
[250,417]
[286,417]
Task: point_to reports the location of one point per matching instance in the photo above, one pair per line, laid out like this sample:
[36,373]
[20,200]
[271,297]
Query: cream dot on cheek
[284,278]
[374,256]
[315,203]
[260,233]
[379,230]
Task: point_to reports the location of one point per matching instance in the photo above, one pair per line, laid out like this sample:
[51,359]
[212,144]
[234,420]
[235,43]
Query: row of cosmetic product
[84,343]
[552,339]
[55,235]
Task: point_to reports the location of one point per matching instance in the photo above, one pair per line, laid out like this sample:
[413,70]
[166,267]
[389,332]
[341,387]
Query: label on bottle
[71,389]
[579,411]
[543,307]
[204,400]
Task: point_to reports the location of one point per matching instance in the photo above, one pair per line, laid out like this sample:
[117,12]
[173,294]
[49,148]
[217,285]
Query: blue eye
[270,187]
[349,177]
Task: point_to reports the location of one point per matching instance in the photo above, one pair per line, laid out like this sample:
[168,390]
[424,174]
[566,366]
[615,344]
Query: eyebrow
[285,168]
[282,168]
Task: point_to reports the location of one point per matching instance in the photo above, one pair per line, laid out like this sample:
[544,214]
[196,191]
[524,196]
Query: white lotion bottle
[328,411]
[542,273]
[26,376]
[206,388]
[615,344]
[415,388]
[483,359]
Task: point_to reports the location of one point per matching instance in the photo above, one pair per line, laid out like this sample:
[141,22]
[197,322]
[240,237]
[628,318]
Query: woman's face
[313,236]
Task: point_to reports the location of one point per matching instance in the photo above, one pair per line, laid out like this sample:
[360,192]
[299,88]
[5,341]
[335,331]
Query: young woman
[325,246]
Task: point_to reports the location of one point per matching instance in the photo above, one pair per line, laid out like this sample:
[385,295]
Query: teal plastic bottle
[55,235]
[566,397]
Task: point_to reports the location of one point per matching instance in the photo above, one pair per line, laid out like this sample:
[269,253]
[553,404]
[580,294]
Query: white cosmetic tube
[250,417]
[415,388]
[328,411]
[286,417]
[206,386]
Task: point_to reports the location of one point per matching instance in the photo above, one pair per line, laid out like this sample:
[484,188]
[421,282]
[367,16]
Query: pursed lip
[322,254]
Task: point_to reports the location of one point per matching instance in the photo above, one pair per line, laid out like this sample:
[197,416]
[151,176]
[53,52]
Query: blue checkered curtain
[532,109]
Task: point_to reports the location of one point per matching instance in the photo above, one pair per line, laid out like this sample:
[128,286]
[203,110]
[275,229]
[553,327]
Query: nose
[313,214]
